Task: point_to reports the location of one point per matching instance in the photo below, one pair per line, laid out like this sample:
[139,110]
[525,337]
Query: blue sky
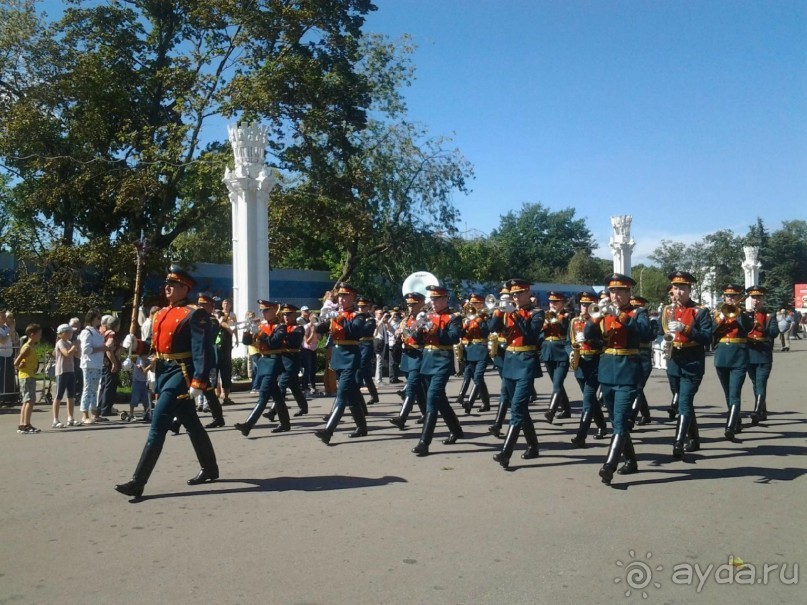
[690,116]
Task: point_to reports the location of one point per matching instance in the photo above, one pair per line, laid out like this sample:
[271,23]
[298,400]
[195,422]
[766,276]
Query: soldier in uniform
[622,328]
[731,327]
[182,342]
[691,327]
[290,358]
[269,340]
[760,351]
[367,352]
[587,364]
[640,405]
[521,324]
[497,354]
[345,331]
[672,411]
[436,367]
[555,355]
[206,302]
[411,357]
[475,346]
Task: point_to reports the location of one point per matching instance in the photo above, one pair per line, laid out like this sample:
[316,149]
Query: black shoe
[215,424]
[204,475]
[281,428]
[419,420]
[729,435]
[530,453]
[495,430]
[678,450]
[244,428]
[358,433]
[630,467]
[372,401]
[601,434]
[421,449]
[504,461]
[133,489]
[398,422]
[270,415]
[485,408]
[644,420]
[550,416]
[401,393]
[565,413]
[693,445]
[606,474]
[672,413]
[467,406]
[323,436]
[299,413]
[451,439]
[578,442]
[175,426]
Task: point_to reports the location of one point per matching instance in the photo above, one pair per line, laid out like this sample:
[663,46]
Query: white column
[751,266]
[621,243]
[249,184]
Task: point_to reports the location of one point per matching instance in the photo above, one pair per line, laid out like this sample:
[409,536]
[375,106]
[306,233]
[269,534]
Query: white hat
[304,308]
[63,328]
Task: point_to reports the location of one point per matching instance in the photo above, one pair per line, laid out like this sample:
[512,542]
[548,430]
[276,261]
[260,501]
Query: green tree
[537,243]
[104,111]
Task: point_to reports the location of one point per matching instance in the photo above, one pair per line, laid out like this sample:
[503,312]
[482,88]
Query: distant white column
[621,244]
[249,184]
[751,266]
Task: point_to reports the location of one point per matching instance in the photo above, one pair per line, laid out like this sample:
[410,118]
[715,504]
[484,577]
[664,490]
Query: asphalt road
[365,521]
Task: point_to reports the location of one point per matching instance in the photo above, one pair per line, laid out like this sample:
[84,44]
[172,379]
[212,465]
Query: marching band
[607,344]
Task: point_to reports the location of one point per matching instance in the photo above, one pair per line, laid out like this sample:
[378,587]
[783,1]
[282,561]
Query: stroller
[48,374]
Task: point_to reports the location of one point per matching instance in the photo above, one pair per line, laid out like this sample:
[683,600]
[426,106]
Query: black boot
[731,422]
[429,423]
[630,465]
[454,428]
[206,457]
[359,399]
[579,440]
[672,412]
[599,420]
[400,419]
[532,439]
[694,442]
[763,415]
[681,431]
[503,457]
[554,404]
[644,410]
[215,409]
[359,419]
[501,412]
[469,405]
[283,417]
[565,408]
[466,382]
[755,415]
[175,426]
[484,396]
[634,412]
[148,460]
[372,390]
[299,398]
[609,468]
[333,420]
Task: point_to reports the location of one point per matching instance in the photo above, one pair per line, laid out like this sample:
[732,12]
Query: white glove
[675,326]
[721,317]
[571,357]
[195,392]
[127,365]
[579,338]
[595,315]
[129,341]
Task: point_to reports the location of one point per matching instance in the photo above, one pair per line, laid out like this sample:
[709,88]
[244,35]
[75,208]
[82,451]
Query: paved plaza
[364,521]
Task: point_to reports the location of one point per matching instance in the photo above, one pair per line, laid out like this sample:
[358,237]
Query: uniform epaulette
[193,307]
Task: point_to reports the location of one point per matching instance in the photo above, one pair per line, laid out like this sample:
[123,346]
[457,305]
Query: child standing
[65,354]
[27,363]
[140,391]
